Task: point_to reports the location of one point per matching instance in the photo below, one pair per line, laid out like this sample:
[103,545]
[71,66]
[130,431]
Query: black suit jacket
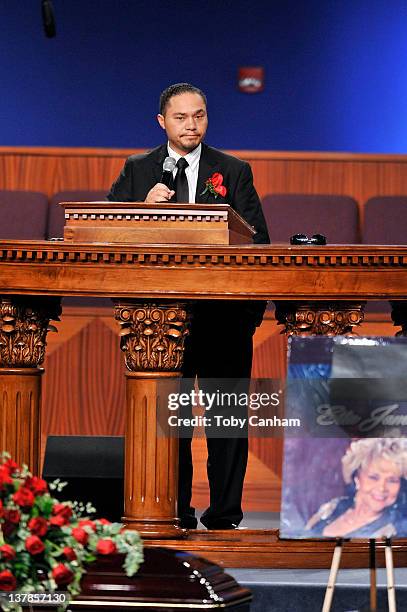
[142,172]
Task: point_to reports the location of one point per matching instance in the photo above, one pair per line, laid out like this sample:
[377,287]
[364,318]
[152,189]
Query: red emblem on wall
[251,79]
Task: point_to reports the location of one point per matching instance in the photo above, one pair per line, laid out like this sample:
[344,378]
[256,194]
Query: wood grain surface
[53,169]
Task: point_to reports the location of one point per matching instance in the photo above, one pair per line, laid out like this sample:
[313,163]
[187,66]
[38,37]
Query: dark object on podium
[316,239]
[167,580]
[93,467]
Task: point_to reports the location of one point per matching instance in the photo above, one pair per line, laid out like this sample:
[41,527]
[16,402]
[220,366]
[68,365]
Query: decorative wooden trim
[361,176]
[353,256]
[187,272]
[139,223]
[319,318]
[152,215]
[258,548]
[242,153]
[152,336]
[69,151]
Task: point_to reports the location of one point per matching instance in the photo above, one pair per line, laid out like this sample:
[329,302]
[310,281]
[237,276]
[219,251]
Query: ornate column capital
[319,318]
[152,335]
[24,323]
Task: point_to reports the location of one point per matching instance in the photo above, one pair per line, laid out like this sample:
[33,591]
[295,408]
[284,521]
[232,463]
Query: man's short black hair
[176,90]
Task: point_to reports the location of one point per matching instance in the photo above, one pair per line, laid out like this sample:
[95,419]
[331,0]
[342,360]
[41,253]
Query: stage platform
[304,590]
[256,544]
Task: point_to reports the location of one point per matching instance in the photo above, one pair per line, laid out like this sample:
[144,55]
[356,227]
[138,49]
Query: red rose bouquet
[214,185]
[45,545]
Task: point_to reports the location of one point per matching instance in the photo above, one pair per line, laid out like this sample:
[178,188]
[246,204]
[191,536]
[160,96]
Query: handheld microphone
[168,168]
[48,19]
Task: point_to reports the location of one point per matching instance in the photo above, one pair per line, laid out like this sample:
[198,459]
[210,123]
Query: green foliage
[46,544]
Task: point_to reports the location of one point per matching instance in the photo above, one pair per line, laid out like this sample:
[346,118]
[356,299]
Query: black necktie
[181,182]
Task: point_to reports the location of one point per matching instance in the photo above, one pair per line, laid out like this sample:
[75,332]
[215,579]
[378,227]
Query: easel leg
[329,593]
[391,592]
[372,566]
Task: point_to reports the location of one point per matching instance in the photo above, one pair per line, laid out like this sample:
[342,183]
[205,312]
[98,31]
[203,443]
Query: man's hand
[159,193]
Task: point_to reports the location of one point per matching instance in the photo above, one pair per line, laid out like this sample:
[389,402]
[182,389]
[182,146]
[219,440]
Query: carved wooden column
[319,318]
[152,337]
[24,322]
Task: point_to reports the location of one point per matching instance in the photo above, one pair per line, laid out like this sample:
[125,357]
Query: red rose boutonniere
[214,185]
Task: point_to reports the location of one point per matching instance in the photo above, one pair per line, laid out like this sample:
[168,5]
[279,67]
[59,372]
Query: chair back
[334,216]
[385,220]
[56,218]
[23,214]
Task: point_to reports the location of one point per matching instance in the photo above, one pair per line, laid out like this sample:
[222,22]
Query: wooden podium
[319,290]
[139,223]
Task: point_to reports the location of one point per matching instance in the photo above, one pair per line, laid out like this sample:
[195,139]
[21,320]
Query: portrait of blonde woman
[374,471]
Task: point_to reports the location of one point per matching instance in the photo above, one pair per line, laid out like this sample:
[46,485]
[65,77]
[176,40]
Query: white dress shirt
[191,171]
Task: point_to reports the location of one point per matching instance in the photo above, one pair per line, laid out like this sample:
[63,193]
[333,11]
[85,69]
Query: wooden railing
[52,169]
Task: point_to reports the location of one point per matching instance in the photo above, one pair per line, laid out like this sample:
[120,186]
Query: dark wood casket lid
[168,580]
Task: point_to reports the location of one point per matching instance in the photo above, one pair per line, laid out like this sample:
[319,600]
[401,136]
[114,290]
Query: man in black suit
[220,342]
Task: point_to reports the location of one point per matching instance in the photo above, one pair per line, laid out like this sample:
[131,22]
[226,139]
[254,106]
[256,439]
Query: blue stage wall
[336,77]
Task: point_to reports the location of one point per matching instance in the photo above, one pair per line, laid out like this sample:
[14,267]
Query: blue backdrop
[336,76]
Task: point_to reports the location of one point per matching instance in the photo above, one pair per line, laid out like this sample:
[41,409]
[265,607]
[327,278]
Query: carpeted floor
[304,590]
